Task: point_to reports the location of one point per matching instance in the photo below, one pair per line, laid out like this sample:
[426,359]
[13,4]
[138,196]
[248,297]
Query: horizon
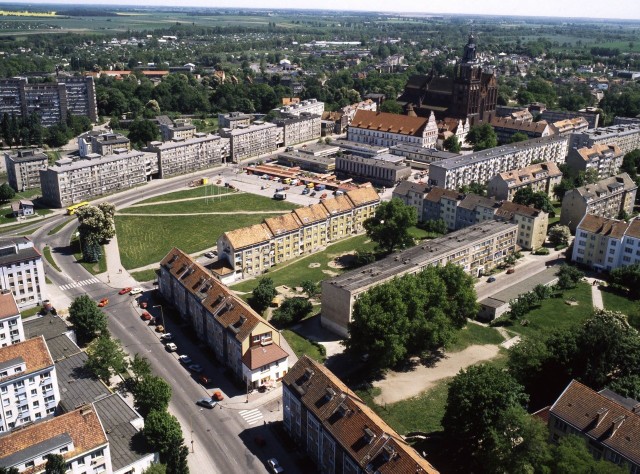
[582,9]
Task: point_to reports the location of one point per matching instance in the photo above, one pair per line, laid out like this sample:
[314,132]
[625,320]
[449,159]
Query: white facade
[310,106]
[22,272]
[185,156]
[387,136]
[253,140]
[11,329]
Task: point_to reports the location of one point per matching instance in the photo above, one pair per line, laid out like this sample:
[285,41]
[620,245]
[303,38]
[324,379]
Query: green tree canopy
[96,227]
[518,137]
[559,235]
[627,278]
[151,393]
[55,464]
[88,320]
[310,288]
[6,192]
[452,144]
[482,137]
[571,455]
[156,468]
[140,367]
[106,357]
[391,106]
[568,277]
[539,199]
[291,311]
[389,227]
[263,295]
[162,432]
[142,131]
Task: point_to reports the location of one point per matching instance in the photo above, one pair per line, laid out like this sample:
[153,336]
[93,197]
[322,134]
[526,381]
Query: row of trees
[28,130]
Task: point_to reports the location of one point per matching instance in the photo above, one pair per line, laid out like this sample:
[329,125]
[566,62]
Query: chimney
[636,408]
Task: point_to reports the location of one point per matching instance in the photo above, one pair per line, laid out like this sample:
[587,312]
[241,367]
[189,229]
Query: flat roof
[78,386]
[303,157]
[545,277]
[440,154]
[186,142]
[62,165]
[351,145]
[379,161]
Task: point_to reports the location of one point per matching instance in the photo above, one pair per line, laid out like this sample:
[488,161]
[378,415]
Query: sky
[620,9]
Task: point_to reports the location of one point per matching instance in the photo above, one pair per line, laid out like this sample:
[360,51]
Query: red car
[217,396]
[124,291]
[146,316]
[103,302]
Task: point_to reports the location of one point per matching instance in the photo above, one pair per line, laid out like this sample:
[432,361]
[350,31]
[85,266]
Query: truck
[320,187]
[279,196]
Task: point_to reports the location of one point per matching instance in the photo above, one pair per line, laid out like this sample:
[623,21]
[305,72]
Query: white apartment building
[181,156]
[107,143]
[234,120]
[68,181]
[22,272]
[606,160]
[480,167]
[11,329]
[178,129]
[541,177]
[253,140]
[384,129]
[626,137]
[300,128]
[23,168]
[78,436]
[310,106]
[28,383]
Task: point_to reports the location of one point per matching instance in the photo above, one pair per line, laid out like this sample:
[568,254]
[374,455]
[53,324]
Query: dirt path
[398,386]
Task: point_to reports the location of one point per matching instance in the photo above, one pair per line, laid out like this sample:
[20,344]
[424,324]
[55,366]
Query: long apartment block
[246,141]
[540,177]
[626,137]
[23,168]
[181,156]
[299,128]
[251,251]
[480,167]
[477,249]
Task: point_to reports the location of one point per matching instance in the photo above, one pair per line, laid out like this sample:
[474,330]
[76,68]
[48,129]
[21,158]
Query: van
[320,187]
[339,193]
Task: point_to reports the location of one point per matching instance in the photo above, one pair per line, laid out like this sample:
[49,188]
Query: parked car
[313,193]
[217,395]
[305,191]
[103,302]
[323,196]
[166,337]
[210,254]
[197,368]
[491,279]
[184,359]
[206,402]
[171,347]
[146,316]
[274,466]
[136,291]
[144,304]
[124,291]
[159,328]
[510,271]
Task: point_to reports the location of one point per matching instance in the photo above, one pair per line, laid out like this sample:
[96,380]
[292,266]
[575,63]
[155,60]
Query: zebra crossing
[76,284]
[251,416]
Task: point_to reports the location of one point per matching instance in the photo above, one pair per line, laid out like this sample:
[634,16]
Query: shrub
[541,251]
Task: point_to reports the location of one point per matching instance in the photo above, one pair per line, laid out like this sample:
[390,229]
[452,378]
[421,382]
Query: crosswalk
[251,416]
[76,284]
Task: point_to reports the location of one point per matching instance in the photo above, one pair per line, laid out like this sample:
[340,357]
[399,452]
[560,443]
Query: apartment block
[250,251]
[626,137]
[181,156]
[48,101]
[23,168]
[337,429]
[239,338]
[385,129]
[234,120]
[256,139]
[299,128]
[81,96]
[28,383]
[606,198]
[22,272]
[11,329]
[383,170]
[605,160]
[477,249]
[178,129]
[607,421]
[77,436]
[310,106]
[480,167]
[569,126]
[541,177]
[506,127]
[606,244]
[71,181]
[108,143]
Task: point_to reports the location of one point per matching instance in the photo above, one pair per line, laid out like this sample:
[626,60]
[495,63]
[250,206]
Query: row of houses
[250,251]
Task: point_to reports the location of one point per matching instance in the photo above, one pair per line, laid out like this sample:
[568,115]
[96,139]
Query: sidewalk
[596,294]
[116,276]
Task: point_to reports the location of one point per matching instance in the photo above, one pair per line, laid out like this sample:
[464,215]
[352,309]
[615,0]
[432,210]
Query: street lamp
[161,313]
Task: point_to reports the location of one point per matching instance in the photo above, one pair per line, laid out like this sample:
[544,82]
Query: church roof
[392,123]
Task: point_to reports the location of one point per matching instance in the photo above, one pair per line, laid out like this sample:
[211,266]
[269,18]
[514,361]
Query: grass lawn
[200,191]
[94,268]
[557,207]
[59,227]
[145,275]
[475,334]
[27,313]
[619,302]
[421,234]
[302,346]
[144,240]
[554,313]
[11,228]
[229,203]
[47,254]
[298,271]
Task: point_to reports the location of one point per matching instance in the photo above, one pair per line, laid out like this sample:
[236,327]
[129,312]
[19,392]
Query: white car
[184,359]
[166,337]
[171,347]
[274,466]
[136,291]
[210,254]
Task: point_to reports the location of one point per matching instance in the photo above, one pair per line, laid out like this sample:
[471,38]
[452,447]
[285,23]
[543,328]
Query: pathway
[596,294]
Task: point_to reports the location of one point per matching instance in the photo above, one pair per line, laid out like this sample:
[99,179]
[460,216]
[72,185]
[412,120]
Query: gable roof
[282,224]
[259,356]
[33,352]
[357,428]
[337,205]
[508,209]
[248,236]
[531,173]
[601,419]
[599,150]
[8,306]
[385,122]
[362,196]
[311,214]
[603,226]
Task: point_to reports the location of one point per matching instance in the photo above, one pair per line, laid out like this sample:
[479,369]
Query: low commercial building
[506,127]
[606,198]
[337,429]
[250,251]
[383,170]
[71,181]
[239,338]
[256,139]
[22,272]
[605,160]
[11,329]
[306,162]
[234,120]
[607,421]
[480,167]
[626,137]
[299,128]
[419,157]
[28,384]
[23,168]
[605,244]
[540,177]
[23,208]
[361,149]
[385,129]
[181,156]
[477,249]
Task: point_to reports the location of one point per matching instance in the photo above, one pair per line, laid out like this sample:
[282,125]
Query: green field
[144,275]
[619,302]
[200,191]
[94,268]
[474,334]
[302,346]
[47,255]
[292,274]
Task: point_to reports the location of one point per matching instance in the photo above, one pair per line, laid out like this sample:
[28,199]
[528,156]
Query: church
[470,96]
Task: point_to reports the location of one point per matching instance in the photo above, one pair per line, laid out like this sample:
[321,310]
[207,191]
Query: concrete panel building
[253,140]
[383,170]
[477,249]
[605,160]
[626,137]
[541,177]
[606,198]
[22,272]
[11,329]
[181,156]
[309,106]
[108,143]
[178,129]
[23,168]
[481,166]
[385,129]
[234,120]
[299,128]
[81,96]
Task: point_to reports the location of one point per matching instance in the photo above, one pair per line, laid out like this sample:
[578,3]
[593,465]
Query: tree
[140,367]
[310,288]
[437,226]
[559,235]
[627,386]
[565,186]
[631,163]
[571,455]
[106,357]
[482,137]
[568,277]
[518,137]
[151,393]
[627,278]
[143,131]
[156,468]
[6,192]
[87,319]
[389,227]
[452,144]
[177,461]
[9,470]
[55,464]
[477,399]
[391,106]
[291,311]
[162,432]
[263,295]
[96,227]
[539,199]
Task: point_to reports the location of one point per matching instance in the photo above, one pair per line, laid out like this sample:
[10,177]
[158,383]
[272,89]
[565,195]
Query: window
[29,464]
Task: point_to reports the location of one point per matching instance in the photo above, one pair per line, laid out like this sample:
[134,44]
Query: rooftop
[184,142]
[248,236]
[8,306]
[598,151]
[391,123]
[259,356]
[78,386]
[64,166]
[604,187]
[33,352]
[519,124]
[531,173]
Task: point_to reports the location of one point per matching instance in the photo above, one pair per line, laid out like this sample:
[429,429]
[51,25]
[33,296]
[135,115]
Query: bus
[71,210]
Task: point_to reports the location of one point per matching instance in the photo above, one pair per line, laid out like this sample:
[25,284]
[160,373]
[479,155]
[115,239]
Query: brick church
[471,94]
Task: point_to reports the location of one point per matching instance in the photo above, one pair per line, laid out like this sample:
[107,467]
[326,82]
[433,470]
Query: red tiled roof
[385,122]
[8,306]
[259,356]
[34,352]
